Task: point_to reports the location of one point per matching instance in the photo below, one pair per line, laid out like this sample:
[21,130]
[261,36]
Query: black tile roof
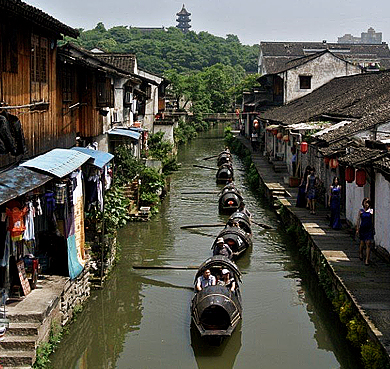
[275,53]
[383,163]
[122,61]
[34,15]
[361,156]
[364,98]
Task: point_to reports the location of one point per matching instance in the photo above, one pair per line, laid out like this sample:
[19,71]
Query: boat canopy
[219,261]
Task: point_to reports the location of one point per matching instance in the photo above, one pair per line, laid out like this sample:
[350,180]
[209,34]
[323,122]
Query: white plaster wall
[381,215]
[322,69]
[151,109]
[354,197]
[167,129]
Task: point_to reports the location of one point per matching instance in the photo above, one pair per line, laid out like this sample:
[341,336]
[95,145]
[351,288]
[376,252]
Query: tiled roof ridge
[38,16]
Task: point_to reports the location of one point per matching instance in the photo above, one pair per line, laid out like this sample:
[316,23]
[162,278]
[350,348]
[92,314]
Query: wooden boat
[236,238]
[225,172]
[224,157]
[242,220]
[229,199]
[216,311]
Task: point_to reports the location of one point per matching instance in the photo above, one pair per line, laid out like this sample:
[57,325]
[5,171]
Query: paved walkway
[368,286]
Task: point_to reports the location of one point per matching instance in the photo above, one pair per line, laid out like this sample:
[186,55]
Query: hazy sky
[251,20]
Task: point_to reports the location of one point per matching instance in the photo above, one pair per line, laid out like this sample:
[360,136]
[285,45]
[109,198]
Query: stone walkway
[368,286]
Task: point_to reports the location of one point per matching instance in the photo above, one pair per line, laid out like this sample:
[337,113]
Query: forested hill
[160,50]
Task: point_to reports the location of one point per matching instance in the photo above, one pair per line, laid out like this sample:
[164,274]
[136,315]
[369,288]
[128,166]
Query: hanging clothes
[60,193]
[29,233]
[16,222]
[11,134]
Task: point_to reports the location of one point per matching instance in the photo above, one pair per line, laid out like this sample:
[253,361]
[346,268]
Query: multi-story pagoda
[183,18]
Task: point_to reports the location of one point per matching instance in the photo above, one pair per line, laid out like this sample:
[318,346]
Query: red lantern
[279,135]
[256,123]
[333,163]
[360,177]
[274,131]
[304,147]
[286,138]
[349,174]
[326,160]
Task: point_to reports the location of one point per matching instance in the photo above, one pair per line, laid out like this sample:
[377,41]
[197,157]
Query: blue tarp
[18,181]
[74,266]
[125,132]
[58,162]
[100,158]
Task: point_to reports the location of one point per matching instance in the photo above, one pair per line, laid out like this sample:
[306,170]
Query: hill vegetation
[160,50]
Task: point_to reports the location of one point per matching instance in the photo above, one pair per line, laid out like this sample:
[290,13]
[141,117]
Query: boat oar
[265,226]
[210,157]
[153,282]
[171,267]
[204,167]
[203,225]
[201,193]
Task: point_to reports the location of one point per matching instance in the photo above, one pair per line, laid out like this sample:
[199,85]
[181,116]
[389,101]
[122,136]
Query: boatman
[205,280]
[222,249]
[244,210]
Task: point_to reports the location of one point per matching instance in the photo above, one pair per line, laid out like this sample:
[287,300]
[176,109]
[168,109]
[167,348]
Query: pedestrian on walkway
[334,203]
[365,229]
[311,190]
[301,198]
[254,140]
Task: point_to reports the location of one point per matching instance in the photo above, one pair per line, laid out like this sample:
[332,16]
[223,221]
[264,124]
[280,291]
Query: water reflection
[216,356]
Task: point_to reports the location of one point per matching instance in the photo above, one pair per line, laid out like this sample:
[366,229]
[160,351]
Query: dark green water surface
[141,319]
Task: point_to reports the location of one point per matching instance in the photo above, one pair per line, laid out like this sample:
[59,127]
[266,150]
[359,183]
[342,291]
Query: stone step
[23,329]
[26,318]
[18,343]
[17,358]
[17,367]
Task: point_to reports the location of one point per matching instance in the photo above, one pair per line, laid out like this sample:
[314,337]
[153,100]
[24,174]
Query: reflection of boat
[229,199]
[222,356]
[224,157]
[236,238]
[216,310]
[225,173]
[242,220]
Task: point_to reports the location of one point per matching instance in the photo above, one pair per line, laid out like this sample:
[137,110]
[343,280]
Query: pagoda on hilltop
[183,18]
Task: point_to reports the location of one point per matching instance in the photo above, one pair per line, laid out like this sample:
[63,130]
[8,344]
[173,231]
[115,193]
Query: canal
[141,318]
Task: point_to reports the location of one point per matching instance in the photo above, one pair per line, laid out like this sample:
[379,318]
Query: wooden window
[9,47]
[67,84]
[105,92]
[39,59]
[305,82]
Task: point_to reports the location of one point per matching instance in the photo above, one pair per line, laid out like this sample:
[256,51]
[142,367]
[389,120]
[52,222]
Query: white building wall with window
[303,79]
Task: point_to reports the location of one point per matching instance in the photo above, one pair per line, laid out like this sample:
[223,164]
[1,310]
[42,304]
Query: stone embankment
[334,256]
[33,316]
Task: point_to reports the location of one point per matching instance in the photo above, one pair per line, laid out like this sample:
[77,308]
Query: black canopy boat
[229,199]
[225,172]
[236,238]
[224,157]
[242,220]
[215,310]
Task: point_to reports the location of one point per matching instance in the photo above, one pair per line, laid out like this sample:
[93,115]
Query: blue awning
[125,132]
[18,181]
[58,162]
[100,158]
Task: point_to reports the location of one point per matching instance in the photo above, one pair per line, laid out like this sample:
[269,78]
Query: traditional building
[274,56]
[183,19]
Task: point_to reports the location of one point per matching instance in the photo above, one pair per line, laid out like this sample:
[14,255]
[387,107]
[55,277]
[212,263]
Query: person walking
[301,198]
[254,140]
[365,229]
[334,203]
[311,190]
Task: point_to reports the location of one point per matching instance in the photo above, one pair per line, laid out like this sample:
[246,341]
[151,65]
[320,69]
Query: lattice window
[39,59]
[67,84]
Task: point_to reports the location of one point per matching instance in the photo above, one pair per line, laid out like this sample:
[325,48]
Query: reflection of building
[369,37]
[183,19]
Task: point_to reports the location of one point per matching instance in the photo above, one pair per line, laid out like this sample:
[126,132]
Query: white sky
[251,20]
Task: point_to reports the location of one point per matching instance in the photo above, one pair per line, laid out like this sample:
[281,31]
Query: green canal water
[141,319]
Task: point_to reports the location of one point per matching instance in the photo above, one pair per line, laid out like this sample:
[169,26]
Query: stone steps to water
[23,329]
[14,359]
[18,343]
